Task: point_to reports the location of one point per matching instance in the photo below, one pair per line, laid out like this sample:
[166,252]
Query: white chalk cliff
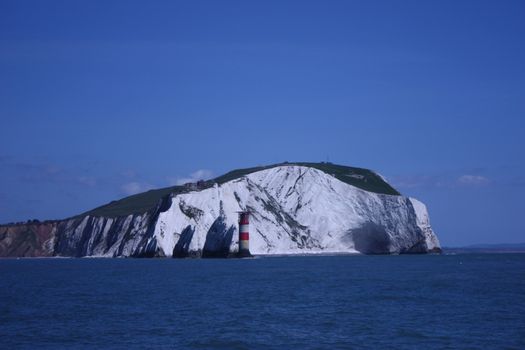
[295,209]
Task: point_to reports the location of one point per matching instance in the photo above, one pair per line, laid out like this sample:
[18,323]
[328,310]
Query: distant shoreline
[487,249]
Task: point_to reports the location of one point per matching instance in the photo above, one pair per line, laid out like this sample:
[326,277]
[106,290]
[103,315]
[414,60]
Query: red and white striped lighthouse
[244,235]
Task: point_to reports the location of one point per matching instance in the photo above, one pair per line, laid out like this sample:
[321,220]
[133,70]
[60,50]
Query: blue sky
[101,99]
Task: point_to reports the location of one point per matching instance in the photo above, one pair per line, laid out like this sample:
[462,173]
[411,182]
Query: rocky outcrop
[28,239]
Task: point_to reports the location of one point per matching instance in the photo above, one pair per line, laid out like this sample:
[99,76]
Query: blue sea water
[474,301]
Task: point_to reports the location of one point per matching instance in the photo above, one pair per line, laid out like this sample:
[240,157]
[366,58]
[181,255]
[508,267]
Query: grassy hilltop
[139,203]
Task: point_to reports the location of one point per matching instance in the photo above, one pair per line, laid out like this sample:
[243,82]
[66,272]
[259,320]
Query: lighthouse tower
[244,236]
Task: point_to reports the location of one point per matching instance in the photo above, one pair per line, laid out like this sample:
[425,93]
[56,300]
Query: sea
[463,301]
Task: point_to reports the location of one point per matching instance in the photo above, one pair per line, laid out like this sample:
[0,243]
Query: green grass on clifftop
[140,203]
[361,178]
[135,204]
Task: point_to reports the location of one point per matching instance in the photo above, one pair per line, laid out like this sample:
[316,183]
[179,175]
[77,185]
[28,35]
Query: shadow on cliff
[370,238]
[182,248]
[218,239]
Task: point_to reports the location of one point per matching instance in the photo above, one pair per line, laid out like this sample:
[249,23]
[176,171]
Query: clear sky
[100,99]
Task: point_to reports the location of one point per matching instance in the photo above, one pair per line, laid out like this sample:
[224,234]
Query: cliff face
[295,210]
[28,239]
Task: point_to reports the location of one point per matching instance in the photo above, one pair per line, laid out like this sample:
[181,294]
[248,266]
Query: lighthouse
[244,236]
